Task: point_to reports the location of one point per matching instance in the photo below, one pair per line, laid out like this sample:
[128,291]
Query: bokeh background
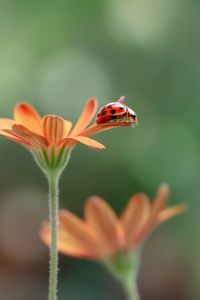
[57,54]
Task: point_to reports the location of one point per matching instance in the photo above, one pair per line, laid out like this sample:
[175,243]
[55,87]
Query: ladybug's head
[132,116]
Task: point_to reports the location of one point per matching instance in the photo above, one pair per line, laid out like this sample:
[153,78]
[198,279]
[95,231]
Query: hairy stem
[53,219]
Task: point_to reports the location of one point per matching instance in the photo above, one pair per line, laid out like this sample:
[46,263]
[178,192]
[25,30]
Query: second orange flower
[102,234]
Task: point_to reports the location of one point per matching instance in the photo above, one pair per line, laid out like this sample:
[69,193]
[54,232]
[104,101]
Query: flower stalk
[53,179]
[130,289]
[124,267]
[53,171]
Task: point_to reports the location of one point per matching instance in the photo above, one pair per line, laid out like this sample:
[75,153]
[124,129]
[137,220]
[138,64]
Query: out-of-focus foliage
[55,55]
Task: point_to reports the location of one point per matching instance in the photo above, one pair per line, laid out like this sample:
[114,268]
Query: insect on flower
[50,138]
[118,113]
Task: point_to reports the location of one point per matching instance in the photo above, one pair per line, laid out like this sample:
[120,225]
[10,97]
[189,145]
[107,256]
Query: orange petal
[103,220]
[157,206]
[67,128]
[64,246]
[30,137]
[27,116]
[84,140]
[6,123]
[85,117]
[79,234]
[170,212]
[96,128]
[54,129]
[134,216]
[11,135]
[159,202]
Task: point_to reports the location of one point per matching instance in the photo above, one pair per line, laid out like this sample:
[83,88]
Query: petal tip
[92,199]
[63,212]
[164,188]
[23,106]
[171,212]
[138,198]
[183,207]
[93,100]
[101,148]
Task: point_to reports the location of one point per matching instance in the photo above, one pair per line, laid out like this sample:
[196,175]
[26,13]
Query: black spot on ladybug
[113,111]
[121,107]
[103,112]
[113,117]
[110,106]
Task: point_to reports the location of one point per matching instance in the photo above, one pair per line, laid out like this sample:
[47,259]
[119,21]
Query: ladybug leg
[122,117]
[113,119]
[126,115]
[118,118]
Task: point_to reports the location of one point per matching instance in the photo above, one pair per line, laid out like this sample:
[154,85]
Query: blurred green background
[57,54]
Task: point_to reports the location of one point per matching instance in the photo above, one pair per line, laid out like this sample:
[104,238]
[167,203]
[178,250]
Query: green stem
[130,288]
[53,219]
[124,267]
[52,162]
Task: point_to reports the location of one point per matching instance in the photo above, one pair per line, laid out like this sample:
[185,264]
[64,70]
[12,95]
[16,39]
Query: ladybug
[118,113]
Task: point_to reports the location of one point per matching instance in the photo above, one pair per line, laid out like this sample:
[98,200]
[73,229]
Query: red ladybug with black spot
[117,113]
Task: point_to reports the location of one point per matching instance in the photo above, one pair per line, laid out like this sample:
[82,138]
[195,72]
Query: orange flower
[102,234]
[50,137]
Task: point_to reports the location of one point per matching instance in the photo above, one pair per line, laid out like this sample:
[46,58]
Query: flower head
[102,234]
[51,137]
